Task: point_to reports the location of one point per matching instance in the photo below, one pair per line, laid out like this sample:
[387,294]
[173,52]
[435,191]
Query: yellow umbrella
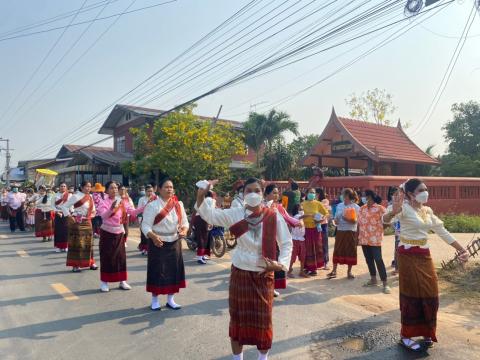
[47,172]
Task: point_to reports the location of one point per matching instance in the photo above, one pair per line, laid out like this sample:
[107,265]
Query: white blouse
[59,196]
[68,209]
[247,255]
[168,228]
[416,225]
[48,206]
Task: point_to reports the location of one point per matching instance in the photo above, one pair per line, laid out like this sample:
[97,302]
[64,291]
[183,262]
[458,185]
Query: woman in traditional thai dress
[113,259]
[60,239]
[314,211]
[418,280]
[80,231]
[258,230]
[44,214]
[165,223]
[142,202]
[346,220]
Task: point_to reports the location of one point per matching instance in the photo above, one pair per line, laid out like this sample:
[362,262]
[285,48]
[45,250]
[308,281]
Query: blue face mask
[142,193]
[364,199]
[310,196]
[15,190]
[341,198]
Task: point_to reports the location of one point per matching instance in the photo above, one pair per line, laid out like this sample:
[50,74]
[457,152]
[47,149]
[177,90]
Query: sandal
[332,275]
[410,344]
[428,343]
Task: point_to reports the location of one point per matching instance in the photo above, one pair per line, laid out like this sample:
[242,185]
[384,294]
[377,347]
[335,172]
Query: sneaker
[144,252]
[93,267]
[104,287]
[124,286]
[126,245]
[276,293]
[65,250]
[387,290]
[201,262]
[206,257]
[76,270]
[57,250]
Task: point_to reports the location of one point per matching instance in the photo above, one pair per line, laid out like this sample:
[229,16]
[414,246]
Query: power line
[448,72]
[55,18]
[42,62]
[57,64]
[230,19]
[85,22]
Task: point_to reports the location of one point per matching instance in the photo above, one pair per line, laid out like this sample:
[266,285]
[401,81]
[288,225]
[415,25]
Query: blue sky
[410,68]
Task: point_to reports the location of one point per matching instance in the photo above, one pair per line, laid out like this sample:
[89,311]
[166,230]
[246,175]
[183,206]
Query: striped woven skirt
[113,258]
[345,250]
[250,301]
[60,239]
[165,268]
[418,285]
[43,223]
[3,212]
[143,246]
[80,243]
[313,249]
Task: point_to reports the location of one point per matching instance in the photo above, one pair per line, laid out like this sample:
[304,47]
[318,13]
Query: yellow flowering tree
[185,148]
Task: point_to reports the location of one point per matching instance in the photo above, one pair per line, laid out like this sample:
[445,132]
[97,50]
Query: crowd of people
[273,231]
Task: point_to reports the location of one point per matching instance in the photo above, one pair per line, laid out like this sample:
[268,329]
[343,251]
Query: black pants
[17,220]
[373,255]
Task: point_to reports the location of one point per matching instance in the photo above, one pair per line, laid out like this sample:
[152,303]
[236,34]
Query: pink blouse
[113,223]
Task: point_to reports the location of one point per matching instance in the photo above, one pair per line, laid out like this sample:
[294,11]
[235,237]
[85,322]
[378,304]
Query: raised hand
[397,202]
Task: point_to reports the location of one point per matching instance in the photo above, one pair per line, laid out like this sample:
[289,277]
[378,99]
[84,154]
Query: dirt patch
[462,285]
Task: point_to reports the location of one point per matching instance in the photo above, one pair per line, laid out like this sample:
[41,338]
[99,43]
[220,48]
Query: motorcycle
[218,242]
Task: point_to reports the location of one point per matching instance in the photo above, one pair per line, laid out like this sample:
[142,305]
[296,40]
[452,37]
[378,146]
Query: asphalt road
[47,312]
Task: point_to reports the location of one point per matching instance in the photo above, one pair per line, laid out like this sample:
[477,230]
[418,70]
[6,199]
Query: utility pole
[7,164]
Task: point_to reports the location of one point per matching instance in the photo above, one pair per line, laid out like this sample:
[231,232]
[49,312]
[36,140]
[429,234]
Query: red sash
[82,201]
[121,207]
[63,199]
[269,231]
[172,203]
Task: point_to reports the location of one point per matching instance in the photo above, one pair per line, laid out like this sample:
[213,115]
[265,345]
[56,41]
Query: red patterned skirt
[313,249]
[43,223]
[80,243]
[250,303]
[201,236]
[113,258]
[165,268]
[345,250]
[418,284]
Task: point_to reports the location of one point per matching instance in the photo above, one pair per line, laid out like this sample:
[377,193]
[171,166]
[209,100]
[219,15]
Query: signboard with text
[341,146]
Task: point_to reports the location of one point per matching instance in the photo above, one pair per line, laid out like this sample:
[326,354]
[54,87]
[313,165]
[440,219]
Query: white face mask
[253,199]
[422,197]
[301,213]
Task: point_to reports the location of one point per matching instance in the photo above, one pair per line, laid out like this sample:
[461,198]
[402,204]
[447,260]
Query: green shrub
[461,223]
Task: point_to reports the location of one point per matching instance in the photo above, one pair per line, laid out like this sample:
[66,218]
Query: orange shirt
[371,225]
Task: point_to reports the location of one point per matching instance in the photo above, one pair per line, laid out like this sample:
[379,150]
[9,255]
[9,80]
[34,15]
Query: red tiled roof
[385,142]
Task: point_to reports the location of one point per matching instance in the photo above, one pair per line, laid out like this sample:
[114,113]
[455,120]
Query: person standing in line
[370,237]
[238,198]
[123,193]
[15,204]
[164,224]
[313,210]
[396,227]
[346,219]
[272,195]
[142,202]
[44,214]
[60,239]
[3,205]
[98,195]
[418,281]
[201,232]
[258,231]
[80,231]
[113,258]
[291,198]
[298,249]
[30,210]
[324,226]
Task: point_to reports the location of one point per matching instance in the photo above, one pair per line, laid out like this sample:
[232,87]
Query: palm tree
[262,130]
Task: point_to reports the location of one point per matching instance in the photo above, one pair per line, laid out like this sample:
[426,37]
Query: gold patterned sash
[421,242]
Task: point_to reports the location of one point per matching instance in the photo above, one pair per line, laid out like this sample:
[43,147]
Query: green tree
[300,147]
[263,130]
[186,149]
[463,132]
[373,105]
[460,165]
[427,170]
[277,161]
